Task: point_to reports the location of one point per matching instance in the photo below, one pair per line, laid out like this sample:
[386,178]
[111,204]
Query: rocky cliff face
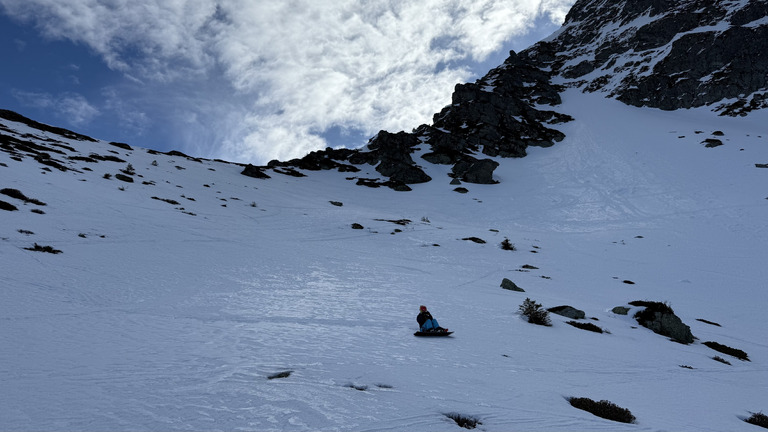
[663,53]
[666,54]
[501,114]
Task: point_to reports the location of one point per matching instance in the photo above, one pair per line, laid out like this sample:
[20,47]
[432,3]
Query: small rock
[620,310]
[124,178]
[284,374]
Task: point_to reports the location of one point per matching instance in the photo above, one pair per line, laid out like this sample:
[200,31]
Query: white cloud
[293,69]
[71,107]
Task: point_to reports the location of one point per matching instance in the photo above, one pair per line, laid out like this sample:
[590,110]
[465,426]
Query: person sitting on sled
[426,322]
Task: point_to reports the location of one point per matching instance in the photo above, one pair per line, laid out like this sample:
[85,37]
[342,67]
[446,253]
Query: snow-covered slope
[163,316]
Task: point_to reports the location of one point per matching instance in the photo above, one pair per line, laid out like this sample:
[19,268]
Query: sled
[433,333]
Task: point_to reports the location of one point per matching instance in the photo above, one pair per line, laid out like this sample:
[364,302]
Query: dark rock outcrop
[660,318]
[499,115]
[255,172]
[393,152]
[16,117]
[664,54]
[511,286]
[568,312]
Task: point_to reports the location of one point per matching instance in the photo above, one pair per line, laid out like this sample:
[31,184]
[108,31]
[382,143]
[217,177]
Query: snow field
[175,322]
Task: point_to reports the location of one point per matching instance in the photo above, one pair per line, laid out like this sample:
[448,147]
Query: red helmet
[423,308]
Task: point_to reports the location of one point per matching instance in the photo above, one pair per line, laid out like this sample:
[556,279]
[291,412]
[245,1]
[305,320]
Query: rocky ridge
[664,54]
[501,114]
[657,53]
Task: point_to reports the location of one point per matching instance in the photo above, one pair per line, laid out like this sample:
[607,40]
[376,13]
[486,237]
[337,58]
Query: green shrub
[721,360]
[758,419]
[604,409]
[129,170]
[585,326]
[535,313]
[507,245]
[739,354]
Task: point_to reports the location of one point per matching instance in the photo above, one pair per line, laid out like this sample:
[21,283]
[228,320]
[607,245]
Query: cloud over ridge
[265,79]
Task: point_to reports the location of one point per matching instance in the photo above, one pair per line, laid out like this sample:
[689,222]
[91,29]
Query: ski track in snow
[175,322]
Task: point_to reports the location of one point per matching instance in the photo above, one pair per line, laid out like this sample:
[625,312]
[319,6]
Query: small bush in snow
[279,375]
[129,170]
[758,419]
[357,387]
[507,245]
[466,422]
[708,322]
[604,409]
[651,307]
[15,193]
[721,360]
[739,354]
[168,200]
[474,239]
[38,248]
[534,312]
[585,326]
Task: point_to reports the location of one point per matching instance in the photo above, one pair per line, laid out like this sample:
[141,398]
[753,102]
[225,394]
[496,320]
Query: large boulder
[511,286]
[660,318]
[568,312]
[472,170]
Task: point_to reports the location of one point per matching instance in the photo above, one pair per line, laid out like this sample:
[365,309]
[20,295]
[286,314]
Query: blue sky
[252,81]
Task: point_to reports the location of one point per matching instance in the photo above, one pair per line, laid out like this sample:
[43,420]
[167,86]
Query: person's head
[422,308]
